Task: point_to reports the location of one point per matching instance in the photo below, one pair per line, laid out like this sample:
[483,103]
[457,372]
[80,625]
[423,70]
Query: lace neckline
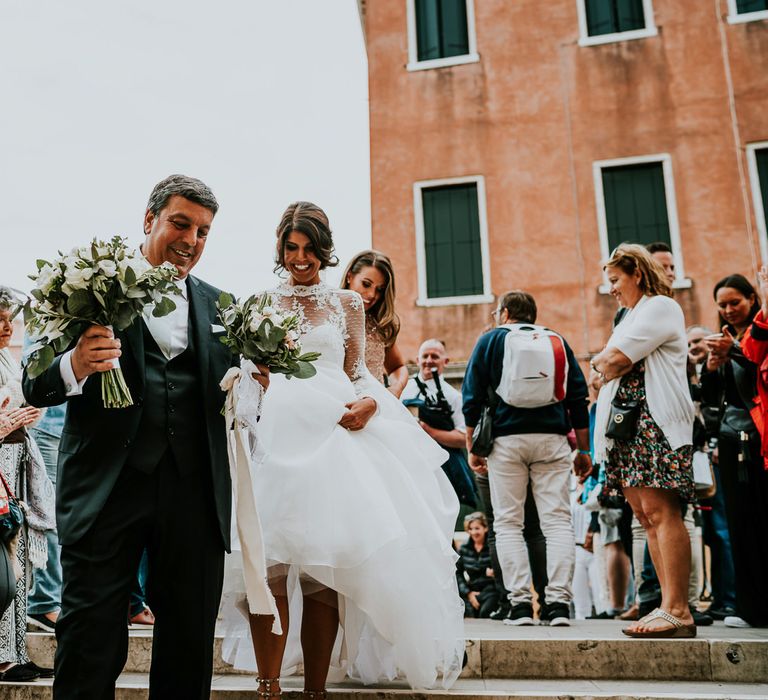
[301,290]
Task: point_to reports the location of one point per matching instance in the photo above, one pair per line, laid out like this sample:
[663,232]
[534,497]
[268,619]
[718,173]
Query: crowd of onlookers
[600,496]
[587,496]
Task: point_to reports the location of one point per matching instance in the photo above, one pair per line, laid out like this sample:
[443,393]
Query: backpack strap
[558,348]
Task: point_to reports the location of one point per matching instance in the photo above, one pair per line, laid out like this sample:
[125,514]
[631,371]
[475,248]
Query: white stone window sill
[444,62]
[748,17]
[682,283]
[457,301]
[618,36]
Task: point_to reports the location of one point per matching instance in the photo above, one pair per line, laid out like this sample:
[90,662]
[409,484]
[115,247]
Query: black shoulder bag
[482,436]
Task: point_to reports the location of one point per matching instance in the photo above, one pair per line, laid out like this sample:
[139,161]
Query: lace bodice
[375,350]
[333,325]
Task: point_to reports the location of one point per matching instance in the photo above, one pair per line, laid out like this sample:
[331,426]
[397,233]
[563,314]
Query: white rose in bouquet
[105,283]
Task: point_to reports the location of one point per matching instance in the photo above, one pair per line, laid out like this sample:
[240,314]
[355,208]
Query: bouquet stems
[114,390]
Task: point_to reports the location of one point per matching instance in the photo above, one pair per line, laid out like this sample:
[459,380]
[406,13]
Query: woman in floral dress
[644,364]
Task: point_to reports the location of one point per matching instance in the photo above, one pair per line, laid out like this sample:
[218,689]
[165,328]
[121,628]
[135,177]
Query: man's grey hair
[697,327]
[184,186]
[8,299]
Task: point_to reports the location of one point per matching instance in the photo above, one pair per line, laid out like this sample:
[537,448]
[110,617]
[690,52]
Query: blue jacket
[484,370]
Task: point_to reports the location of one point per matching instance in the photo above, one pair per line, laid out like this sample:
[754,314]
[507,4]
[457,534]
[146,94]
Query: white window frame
[736,17]
[649,30]
[413,45]
[681,281]
[421,253]
[757,196]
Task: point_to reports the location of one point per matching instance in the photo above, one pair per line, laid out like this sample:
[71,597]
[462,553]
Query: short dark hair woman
[642,369]
[729,385]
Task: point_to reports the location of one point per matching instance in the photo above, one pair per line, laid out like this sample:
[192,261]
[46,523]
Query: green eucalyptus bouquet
[265,335]
[105,283]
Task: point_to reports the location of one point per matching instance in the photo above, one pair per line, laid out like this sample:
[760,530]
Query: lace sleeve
[354,336]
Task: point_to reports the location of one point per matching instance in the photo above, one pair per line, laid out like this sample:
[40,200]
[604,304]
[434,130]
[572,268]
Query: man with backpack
[531,375]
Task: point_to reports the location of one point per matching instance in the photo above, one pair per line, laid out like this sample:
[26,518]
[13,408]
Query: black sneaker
[721,613]
[501,612]
[520,614]
[559,614]
[41,622]
[701,619]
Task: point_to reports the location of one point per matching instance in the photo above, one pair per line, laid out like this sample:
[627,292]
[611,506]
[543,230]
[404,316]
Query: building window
[440,33]
[635,200]
[452,241]
[747,10]
[608,21]
[757,160]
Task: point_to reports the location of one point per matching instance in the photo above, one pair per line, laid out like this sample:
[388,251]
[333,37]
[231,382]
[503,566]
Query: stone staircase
[588,660]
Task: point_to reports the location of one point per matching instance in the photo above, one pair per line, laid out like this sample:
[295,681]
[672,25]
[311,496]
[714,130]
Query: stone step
[586,650]
[135,687]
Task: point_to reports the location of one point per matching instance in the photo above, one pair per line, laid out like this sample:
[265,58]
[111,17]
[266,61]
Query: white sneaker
[736,621]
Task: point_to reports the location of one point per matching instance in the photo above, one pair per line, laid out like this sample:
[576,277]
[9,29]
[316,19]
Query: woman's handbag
[623,421]
[11,514]
[482,436]
[7,579]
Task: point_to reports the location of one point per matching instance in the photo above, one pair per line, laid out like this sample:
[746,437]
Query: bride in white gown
[357,515]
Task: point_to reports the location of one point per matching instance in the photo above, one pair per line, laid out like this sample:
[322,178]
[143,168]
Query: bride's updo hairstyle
[312,221]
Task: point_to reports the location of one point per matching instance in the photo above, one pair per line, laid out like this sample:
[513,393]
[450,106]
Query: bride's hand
[358,414]
[262,376]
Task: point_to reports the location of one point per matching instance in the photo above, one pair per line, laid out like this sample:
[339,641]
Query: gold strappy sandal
[269,691]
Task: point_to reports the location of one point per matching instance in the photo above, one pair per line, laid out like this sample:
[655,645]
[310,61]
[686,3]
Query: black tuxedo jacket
[96,441]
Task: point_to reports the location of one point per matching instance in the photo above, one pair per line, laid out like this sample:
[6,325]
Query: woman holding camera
[644,426]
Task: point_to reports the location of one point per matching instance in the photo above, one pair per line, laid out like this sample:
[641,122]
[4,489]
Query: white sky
[264,100]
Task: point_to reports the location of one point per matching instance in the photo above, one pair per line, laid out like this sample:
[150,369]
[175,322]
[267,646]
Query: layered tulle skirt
[368,514]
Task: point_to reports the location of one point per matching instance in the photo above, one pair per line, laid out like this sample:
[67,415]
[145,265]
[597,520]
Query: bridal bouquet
[265,336]
[104,283]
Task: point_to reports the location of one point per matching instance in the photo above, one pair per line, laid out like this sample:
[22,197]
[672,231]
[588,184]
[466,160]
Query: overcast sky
[265,101]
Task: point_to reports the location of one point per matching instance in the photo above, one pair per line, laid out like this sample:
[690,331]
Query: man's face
[666,260]
[697,348]
[177,234]
[432,358]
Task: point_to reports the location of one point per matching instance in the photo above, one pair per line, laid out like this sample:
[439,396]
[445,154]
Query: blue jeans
[139,592]
[717,536]
[45,594]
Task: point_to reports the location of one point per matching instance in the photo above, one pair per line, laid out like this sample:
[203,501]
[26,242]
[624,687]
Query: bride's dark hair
[312,221]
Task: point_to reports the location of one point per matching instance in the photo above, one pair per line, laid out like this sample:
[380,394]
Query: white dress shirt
[169,332]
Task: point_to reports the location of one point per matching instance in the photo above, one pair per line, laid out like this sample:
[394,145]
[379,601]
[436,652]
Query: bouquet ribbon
[241,409]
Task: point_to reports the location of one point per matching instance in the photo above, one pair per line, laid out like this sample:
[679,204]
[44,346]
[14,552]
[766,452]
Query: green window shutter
[762,174]
[612,16]
[630,15]
[441,28]
[452,241]
[636,204]
[744,6]
[455,36]
[427,29]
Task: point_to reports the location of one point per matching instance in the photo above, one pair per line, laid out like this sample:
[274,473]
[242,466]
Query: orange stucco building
[514,142]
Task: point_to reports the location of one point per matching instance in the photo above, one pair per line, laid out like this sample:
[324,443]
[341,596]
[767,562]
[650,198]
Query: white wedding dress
[369,513]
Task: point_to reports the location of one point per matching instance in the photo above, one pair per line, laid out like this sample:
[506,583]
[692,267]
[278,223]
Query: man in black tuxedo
[154,475]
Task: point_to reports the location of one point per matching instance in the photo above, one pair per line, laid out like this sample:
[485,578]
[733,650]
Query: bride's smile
[300,259]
